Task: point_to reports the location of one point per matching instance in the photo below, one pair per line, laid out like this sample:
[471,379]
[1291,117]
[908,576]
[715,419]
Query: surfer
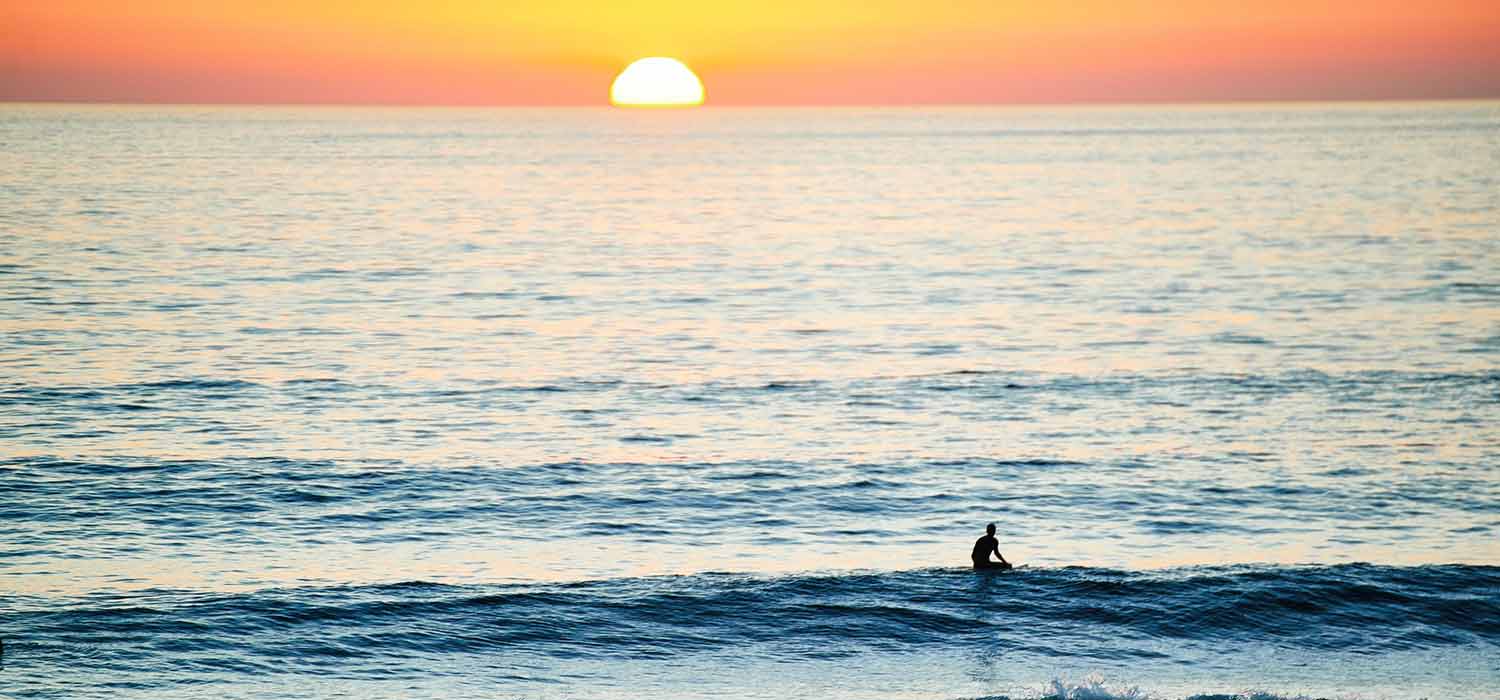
[982,548]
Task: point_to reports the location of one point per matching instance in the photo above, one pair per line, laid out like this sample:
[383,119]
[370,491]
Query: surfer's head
[989,529]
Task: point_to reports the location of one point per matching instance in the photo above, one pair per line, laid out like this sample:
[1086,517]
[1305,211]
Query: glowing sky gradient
[566,52]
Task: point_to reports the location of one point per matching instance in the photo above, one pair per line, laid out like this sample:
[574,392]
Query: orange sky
[748,52]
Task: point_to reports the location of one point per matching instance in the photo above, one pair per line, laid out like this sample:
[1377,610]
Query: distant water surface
[712,403]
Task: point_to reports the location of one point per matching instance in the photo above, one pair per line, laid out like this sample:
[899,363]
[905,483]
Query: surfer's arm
[996,548]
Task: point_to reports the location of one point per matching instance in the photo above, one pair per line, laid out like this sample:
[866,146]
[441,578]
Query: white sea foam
[1093,687]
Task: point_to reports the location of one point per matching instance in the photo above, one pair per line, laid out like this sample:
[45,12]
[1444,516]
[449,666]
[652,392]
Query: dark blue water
[700,635]
[584,403]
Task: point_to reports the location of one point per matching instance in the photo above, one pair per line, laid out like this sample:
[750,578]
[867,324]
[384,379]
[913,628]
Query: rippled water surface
[577,403]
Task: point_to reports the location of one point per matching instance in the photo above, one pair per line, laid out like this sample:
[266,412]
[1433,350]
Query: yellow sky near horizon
[766,52]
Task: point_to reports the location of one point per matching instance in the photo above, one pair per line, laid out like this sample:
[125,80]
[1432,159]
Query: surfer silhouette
[982,549]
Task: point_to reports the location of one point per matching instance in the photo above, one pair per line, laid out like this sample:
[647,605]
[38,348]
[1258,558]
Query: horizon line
[788,105]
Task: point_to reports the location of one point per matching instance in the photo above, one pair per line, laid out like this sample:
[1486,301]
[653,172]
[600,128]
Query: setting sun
[657,82]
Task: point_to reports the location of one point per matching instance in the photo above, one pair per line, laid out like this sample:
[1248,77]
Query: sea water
[406,403]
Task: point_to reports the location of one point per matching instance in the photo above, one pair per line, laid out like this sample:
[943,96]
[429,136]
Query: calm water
[594,403]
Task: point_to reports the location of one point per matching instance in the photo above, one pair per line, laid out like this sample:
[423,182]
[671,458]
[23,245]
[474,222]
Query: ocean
[713,403]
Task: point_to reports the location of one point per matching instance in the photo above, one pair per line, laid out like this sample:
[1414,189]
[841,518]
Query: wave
[980,380]
[1065,613]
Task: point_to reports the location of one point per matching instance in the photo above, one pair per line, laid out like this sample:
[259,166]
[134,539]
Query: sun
[656,82]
